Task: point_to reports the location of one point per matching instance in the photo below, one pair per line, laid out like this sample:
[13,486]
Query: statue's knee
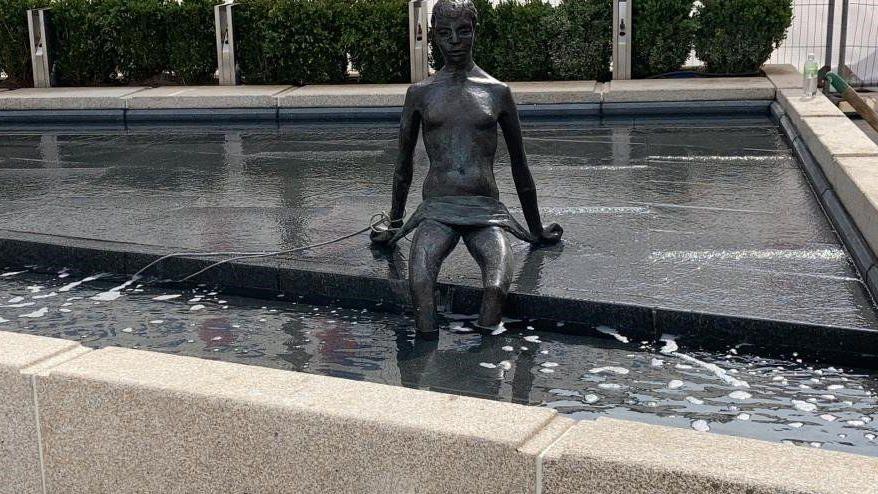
[496,290]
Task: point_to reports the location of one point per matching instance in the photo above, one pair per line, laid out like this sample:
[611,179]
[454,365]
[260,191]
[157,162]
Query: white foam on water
[499,329]
[64,310]
[488,365]
[23,304]
[795,425]
[157,321]
[3,320]
[115,292]
[823,254]
[505,365]
[37,313]
[15,300]
[610,369]
[71,286]
[856,423]
[508,348]
[833,387]
[216,338]
[675,384]
[128,330]
[11,273]
[196,307]
[549,364]
[35,288]
[715,369]
[743,416]
[740,395]
[612,332]
[546,371]
[656,362]
[46,295]
[590,398]
[870,436]
[829,417]
[532,339]
[694,400]
[610,386]
[804,406]
[670,345]
[700,425]
[162,298]
[195,299]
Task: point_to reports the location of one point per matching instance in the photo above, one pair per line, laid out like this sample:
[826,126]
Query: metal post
[227,66]
[39,47]
[843,39]
[622,43]
[830,32]
[419,45]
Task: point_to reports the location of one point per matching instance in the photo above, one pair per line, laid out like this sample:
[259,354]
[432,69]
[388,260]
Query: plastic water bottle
[810,75]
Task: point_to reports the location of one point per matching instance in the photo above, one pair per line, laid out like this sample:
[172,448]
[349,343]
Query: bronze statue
[459,108]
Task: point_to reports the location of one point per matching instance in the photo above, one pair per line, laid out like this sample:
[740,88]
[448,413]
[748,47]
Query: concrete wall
[117,421]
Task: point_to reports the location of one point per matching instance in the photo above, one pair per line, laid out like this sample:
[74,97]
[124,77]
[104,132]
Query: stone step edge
[322,283]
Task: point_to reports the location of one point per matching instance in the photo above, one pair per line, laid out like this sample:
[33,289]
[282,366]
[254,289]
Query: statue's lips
[457,53]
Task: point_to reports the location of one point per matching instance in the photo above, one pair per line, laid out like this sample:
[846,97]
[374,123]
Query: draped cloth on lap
[465,211]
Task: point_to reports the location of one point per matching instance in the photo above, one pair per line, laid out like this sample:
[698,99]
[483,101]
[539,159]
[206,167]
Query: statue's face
[455,37]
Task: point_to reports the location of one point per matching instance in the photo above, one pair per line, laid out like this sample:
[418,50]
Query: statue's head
[454,30]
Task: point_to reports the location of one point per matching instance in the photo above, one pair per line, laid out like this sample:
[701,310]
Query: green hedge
[663,34]
[312,41]
[737,36]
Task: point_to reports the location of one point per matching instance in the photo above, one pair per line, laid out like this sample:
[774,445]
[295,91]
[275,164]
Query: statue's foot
[429,335]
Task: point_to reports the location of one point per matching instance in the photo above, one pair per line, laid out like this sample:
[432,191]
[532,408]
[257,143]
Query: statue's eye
[444,33]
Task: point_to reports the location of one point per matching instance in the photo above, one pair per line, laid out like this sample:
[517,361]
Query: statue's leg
[491,249]
[431,244]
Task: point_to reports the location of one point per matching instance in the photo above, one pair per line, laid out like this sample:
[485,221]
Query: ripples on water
[581,376]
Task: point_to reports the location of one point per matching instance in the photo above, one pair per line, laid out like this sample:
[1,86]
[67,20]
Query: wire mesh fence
[858,54]
[810,32]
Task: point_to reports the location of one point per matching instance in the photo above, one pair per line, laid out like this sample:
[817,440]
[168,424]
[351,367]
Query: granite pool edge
[323,283]
[120,420]
[137,105]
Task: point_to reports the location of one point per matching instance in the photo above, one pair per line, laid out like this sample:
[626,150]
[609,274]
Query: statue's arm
[410,124]
[524,183]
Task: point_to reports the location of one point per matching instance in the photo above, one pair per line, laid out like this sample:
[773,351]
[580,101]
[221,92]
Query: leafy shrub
[137,30]
[663,34]
[521,48]
[85,53]
[377,38]
[292,41]
[14,47]
[738,36]
[579,34]
[192,40]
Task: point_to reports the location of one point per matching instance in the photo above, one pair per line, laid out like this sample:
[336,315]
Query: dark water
[582,376]
[707,215]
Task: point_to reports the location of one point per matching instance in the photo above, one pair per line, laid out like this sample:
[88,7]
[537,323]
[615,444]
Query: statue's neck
[459,71]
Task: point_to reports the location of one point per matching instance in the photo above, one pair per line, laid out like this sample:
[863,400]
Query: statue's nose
[454,37]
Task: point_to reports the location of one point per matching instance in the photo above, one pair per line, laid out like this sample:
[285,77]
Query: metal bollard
[38,30]
[228,72]
[419,44]
[622,42]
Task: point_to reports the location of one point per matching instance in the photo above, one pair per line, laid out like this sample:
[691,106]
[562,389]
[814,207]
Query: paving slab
[19,443]
[177,97]
[695,89]
[612,456]
[832,138]
[798,106]
[555,92]
[856,183]
[783,76]
[129,421]
[344,95]
[67,98]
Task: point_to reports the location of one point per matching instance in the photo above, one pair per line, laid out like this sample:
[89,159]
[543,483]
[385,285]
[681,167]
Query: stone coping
[378,95]
[847,160]
[120,420]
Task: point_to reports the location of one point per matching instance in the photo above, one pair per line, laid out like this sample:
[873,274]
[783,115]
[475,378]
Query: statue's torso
[459,122]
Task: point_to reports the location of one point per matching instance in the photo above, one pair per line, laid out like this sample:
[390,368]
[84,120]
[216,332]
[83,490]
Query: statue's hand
[551,234]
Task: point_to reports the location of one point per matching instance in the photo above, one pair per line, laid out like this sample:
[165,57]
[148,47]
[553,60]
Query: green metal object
[854,99]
